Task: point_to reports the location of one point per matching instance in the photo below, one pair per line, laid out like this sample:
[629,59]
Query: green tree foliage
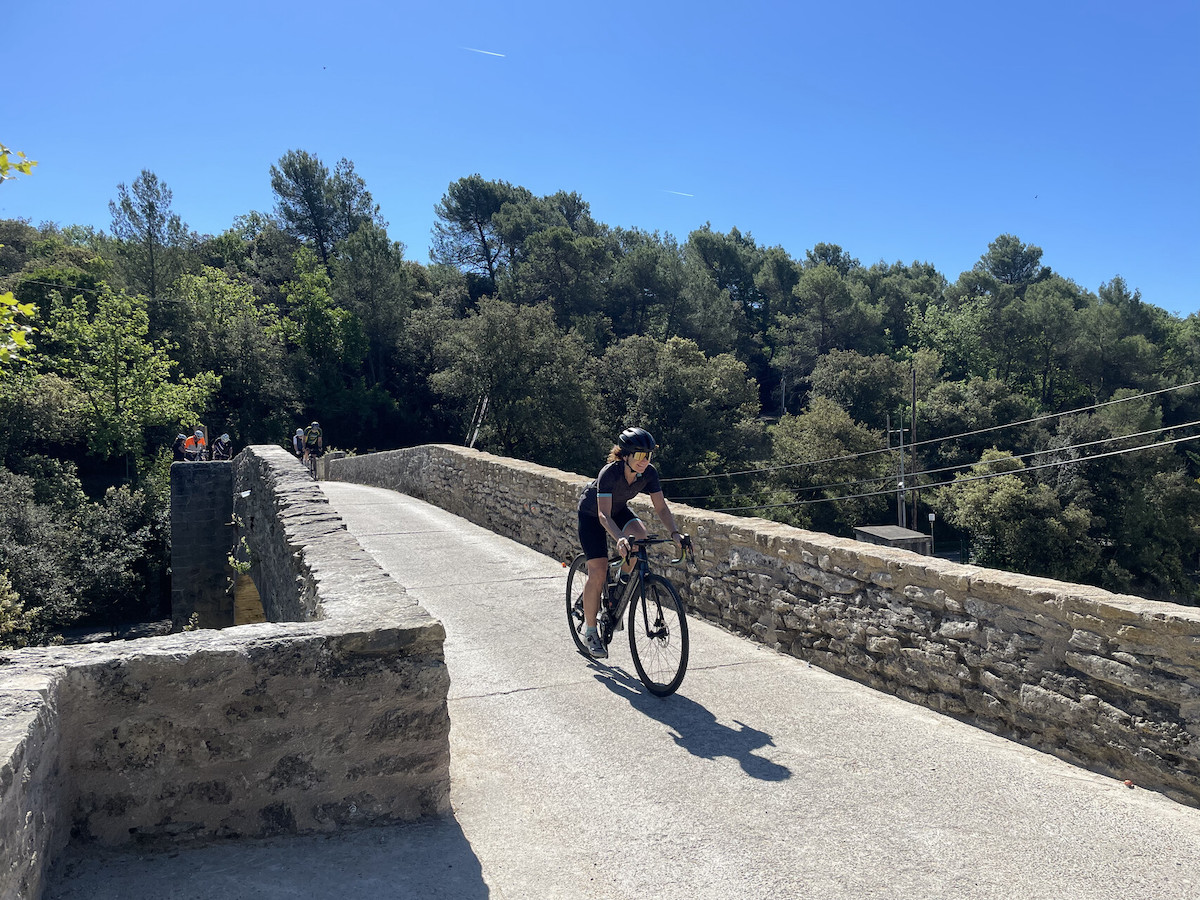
[227,332]
[959,334]
[959,420]
[70,560]
[1107,357]
[14,330]
[44,415]
[466,235]
[1144,505]
[567,270]
[702,409]
[14,162]
[317,208]
[869,388]
[901,293]
[153,238]
[1051,322]
[832,312]
[539,332]
[522,383]
[17,623]
[372,280]
[1017,524]
[823,454]
[123,375]
[643,294]
[1013,263]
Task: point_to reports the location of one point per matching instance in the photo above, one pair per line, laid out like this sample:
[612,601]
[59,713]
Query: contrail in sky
[484,52]
[678,193]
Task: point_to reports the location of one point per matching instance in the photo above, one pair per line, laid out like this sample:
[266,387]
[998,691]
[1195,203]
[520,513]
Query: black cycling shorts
[592,536]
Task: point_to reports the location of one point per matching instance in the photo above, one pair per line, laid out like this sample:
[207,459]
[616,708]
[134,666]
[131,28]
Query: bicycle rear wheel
[576,579]
[658,636]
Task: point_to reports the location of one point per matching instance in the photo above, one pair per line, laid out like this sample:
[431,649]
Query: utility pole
[912,442]
[901,508]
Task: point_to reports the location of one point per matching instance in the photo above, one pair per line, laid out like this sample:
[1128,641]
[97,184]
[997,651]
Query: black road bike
[657,623]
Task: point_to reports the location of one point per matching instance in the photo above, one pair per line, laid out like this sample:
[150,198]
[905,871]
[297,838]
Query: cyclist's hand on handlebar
[684,542]
[623,546]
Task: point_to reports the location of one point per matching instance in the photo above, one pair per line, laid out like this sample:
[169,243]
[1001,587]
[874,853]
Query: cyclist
[222,448]
[177,448]
[314,442]
[298,443]
[604,512]
[194,447]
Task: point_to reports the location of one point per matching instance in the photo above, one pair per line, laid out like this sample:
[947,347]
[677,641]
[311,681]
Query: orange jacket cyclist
[194,447]
[604,512]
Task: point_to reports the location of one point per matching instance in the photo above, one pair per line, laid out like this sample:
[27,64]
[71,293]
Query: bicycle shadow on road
[697,730]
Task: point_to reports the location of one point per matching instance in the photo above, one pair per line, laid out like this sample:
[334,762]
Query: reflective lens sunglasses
[642,454]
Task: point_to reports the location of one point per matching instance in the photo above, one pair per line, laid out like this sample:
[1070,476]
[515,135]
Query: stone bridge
[1030,703]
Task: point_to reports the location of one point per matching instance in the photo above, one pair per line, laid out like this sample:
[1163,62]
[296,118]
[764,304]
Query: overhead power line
[928,472]
[966,478]
[949,437]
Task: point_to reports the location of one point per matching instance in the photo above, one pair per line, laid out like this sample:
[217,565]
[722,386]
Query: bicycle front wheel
[576,579]
[658,636]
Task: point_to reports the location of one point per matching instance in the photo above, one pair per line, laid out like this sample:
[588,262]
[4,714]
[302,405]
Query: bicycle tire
[576,579]
[658,636]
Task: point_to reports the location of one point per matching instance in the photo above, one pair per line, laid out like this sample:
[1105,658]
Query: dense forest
[1046,426]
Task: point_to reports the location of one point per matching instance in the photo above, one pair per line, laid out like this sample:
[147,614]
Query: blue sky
[901,131]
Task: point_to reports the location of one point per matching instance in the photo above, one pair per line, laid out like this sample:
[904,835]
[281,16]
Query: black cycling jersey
[611,481]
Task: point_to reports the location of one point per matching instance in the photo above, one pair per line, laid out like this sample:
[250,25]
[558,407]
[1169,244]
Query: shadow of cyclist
[695,729]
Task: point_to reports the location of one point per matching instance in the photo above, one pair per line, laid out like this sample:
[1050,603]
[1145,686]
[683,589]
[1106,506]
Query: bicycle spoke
[658,636]
[576,579]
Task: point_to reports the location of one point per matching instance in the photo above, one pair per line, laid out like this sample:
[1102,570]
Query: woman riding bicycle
[604,512]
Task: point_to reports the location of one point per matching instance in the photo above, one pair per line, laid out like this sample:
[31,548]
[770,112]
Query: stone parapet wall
[32,830]
[1110,682]
[326,722]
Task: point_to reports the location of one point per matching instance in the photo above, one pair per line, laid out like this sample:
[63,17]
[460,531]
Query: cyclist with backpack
[604,512]
[314,441]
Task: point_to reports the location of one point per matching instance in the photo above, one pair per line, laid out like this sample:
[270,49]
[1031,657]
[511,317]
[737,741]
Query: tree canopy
[1036,417]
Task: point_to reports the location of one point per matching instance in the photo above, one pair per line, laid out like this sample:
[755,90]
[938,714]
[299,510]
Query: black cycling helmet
[633,440]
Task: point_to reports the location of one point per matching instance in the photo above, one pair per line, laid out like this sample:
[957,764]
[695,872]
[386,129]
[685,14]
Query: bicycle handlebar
[654,539]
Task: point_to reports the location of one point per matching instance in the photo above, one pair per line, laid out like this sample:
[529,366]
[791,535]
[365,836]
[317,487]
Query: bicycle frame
[615,612]
[658,641]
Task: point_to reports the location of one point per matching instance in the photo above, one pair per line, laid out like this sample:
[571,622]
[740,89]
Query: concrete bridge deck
[762,777]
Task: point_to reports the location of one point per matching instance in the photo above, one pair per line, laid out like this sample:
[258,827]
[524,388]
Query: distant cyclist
[195,446]
[177,454]
[298,443]
[604,512]
[222,448]
[314,441]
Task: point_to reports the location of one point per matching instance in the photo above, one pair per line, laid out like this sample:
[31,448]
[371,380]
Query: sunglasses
[641,455]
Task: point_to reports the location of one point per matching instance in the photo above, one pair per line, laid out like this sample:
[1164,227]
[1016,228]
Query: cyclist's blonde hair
[615,453]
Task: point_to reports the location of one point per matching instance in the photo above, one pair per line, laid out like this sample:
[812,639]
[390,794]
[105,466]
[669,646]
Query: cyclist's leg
[635,530]
[594,589]
[594,541]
